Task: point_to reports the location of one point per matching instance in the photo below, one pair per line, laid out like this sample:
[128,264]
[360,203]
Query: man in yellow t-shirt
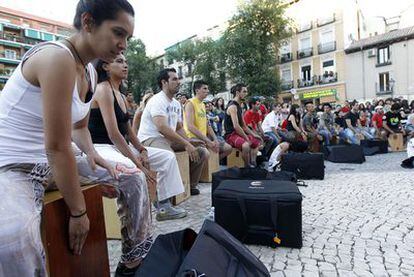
[196,124]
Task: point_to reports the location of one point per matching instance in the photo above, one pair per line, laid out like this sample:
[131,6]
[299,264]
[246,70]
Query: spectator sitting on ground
[326,124]
[392,120]
[271,123]
[409,126]
[294,126]
[377,124]
[196,124]
[352,123]
[238,135]
[161,126]
[310,125]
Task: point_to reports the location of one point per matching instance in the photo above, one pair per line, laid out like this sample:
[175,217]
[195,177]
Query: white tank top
[21,115]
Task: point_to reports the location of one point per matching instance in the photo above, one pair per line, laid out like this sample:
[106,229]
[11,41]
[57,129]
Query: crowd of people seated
[253,125]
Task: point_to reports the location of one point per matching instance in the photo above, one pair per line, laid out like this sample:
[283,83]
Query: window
[306,73]
[32,33]
[328,67]
[285,48]
[305,43]
[286,76]
[384,81]
[10,54]
[327,36]
[383,55]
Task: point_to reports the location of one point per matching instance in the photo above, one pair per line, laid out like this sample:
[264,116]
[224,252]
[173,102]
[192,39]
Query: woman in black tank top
[109,120]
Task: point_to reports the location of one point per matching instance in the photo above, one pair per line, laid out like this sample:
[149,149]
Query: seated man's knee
[204,153]
[246,147]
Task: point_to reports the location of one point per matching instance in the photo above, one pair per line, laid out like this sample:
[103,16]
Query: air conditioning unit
[371,53]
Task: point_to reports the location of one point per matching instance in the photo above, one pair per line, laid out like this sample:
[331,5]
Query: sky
[162,23]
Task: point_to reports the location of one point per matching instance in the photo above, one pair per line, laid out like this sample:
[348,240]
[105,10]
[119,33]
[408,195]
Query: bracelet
[78,215]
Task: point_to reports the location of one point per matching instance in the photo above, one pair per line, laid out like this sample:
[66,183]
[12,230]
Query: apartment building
[311,64]
[381,66]
[19,31]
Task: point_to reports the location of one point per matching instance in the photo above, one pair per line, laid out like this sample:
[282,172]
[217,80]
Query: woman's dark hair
[395,107]
[102,73]
[293,110]
[222,105]
[412,104]
[101,10]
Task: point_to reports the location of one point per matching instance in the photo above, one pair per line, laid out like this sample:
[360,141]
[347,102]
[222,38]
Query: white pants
[410,148]
[169,182]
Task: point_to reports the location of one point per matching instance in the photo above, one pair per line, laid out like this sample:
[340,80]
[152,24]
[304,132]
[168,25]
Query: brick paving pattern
[359,221]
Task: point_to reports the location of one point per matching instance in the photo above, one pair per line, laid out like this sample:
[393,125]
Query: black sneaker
[123,271]
[194,191]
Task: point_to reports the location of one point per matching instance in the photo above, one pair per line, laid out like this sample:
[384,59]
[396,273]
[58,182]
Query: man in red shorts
[238,135]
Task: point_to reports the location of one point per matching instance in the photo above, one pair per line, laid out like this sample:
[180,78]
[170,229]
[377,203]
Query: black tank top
[289,125]
[228,123]
[97,126]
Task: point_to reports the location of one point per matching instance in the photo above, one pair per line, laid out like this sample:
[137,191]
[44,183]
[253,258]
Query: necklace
[76,52]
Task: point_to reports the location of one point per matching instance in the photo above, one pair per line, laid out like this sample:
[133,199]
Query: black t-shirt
[393,120]
[353,117]
[340,121]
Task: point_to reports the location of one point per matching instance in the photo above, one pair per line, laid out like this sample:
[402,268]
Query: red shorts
[236,141]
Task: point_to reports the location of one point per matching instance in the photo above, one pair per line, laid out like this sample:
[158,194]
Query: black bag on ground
[215,252]
[371,151]
[246,173]
[264,212]
[345,154]
[167,254]
[381,144]
[304,165]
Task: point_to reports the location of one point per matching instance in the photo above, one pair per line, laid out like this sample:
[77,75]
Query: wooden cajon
[112,221]
[235,159]
[212,166]
[55,218]
[396,142]
[183,161]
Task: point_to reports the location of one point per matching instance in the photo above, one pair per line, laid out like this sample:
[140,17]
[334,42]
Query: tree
[142,71]
[203,57]
[251,42]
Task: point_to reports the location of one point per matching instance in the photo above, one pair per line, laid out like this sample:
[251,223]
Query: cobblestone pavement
[358,221]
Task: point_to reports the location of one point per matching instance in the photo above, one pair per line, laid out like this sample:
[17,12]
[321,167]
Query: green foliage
[203,56]
[250,44]
[142,70]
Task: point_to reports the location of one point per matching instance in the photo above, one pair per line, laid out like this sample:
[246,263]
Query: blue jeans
[366,132]
[327,135]
[350,135]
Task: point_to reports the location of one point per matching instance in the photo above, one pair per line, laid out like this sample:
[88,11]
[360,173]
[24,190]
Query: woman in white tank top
[43,108]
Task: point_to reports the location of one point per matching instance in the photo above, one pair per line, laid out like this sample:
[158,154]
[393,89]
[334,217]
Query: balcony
[328,77]
[302,83]
[18,39]
[384,89]
[10,59]
[5,73]
[286,85]
[383,63]
[325,21]
[304,53]
[326,47]
[304,27]
[285,57]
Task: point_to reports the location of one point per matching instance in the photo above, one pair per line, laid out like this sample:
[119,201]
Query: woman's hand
[144,158]
[95,159]
[78,231]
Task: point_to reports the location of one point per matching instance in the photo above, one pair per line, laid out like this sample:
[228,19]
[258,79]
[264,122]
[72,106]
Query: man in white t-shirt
[161,126]
[270,124]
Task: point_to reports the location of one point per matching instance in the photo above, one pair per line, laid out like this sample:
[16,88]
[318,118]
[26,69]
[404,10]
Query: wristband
[78,215]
